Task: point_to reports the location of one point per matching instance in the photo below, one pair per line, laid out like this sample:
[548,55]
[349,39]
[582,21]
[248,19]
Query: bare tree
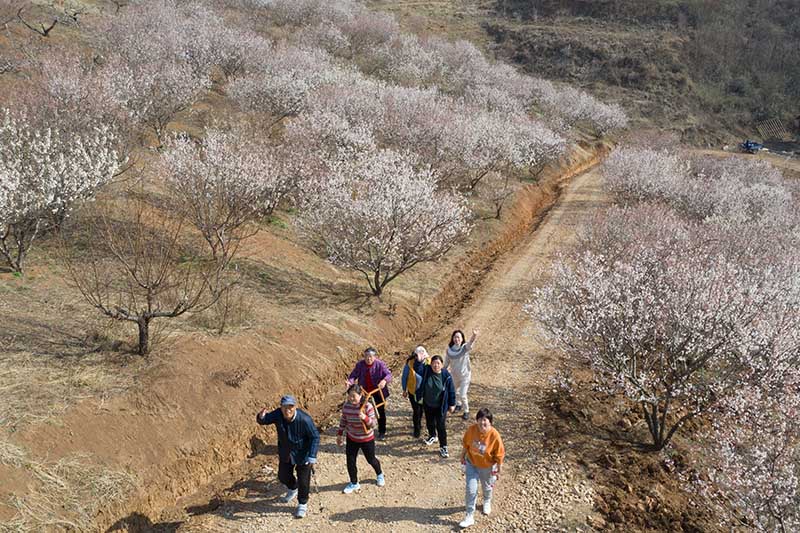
[139,270]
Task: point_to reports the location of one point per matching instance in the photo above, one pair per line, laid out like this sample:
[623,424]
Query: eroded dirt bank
[192,417]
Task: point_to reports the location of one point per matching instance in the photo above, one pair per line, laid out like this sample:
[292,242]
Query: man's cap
[288,400]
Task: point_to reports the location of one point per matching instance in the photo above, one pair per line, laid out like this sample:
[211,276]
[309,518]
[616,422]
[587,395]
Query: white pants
[461,384]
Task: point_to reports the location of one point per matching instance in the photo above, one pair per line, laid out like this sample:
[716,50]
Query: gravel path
[538,492]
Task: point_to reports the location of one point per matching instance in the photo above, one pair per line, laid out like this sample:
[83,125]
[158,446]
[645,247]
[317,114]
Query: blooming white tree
[159,60]
[664,314]
[222,184]
[729,191]
[44,173]
[285,80]
[753,459]
[493,141]
[377,214]
[153,93]
[573,105]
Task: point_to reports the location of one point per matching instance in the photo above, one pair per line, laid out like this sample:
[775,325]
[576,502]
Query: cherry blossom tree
[154,93]
[44,174]
[729,191]
[665,315]
[159,57]
[380,216]
[572,105]
[222,184]
[493,141]
[300,12]
[753,459]
[285,80]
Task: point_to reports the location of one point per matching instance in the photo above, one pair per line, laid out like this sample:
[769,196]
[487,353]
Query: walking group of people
[434,386]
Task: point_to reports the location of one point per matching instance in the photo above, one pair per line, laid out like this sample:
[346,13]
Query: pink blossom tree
[44,174]
[380,216]
[753,458]
[572,105]
[222,184]
[665,314]
[729,191]
[159,58]
[285,80]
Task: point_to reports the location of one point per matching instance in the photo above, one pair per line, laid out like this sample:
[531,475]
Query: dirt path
[423,491]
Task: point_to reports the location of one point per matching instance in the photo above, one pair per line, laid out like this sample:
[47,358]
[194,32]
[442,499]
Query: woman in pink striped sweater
[358,424]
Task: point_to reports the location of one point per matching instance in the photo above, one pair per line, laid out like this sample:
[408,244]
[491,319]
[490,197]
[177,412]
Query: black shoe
[417,434]
[381,436]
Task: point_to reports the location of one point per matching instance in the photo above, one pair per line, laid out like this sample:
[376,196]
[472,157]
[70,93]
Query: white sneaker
[351,487]
[301,510]
[430,440]
[487,507]
[289,496]
[469,520]
[381,480]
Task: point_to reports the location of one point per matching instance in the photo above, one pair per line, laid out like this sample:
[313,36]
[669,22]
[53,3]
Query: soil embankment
[190,417]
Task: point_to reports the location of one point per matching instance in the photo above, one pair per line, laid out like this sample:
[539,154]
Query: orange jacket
[483,450]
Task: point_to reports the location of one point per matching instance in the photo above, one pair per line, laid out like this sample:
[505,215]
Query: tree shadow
[49,339]
[297,287]
[139,523]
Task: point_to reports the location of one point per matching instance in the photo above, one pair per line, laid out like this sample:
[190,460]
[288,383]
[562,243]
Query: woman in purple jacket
[372,373]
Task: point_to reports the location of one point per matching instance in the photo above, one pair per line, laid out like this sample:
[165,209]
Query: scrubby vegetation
[713,64]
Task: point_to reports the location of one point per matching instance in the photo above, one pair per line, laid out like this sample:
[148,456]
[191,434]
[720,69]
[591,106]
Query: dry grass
[66,494]
[33,389]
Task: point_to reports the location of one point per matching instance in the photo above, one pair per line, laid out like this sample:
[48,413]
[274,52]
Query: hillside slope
[704,69]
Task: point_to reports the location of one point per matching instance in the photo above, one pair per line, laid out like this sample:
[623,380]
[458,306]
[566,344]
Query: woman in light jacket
[458,365]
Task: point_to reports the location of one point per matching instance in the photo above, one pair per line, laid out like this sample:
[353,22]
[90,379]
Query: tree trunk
[144,335]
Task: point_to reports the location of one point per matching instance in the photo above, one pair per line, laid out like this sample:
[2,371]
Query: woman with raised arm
[458,365]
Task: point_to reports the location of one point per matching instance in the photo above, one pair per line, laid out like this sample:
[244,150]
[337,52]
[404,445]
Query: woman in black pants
[438,397]
[411,380]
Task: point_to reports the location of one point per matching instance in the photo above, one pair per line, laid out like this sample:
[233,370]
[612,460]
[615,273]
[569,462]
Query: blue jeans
[475,474]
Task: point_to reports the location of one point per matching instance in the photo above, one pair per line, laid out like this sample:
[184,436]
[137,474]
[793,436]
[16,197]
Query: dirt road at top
[423,491]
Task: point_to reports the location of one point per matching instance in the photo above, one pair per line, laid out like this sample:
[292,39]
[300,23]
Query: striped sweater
[352,425]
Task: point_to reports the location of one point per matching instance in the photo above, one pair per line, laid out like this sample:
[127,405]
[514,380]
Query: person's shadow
[387,515]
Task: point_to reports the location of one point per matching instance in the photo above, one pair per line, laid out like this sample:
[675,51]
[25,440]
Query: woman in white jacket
[458,366]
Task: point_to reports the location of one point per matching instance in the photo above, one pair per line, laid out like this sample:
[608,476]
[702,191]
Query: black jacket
[298,440]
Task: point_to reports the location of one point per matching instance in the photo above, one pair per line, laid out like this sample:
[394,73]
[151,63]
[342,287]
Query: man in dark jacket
[298,441]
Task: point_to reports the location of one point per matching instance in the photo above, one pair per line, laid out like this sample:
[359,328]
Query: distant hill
[699,67]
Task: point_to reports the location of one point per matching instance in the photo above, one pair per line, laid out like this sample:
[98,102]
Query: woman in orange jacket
[482,454]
